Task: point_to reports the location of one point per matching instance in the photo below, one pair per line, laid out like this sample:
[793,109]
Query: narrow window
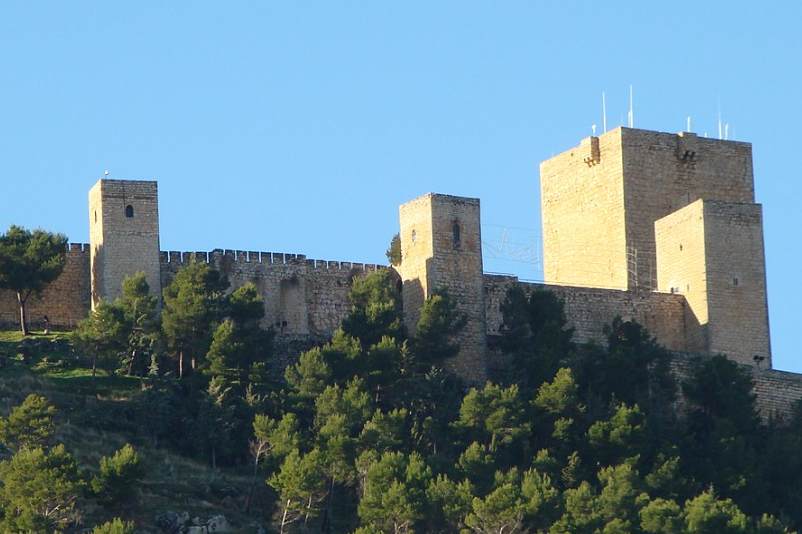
[129,211]
[95,215]
[414,236]
[735,281]
[455,230]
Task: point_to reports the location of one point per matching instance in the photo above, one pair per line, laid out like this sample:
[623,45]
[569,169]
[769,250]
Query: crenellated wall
[302,296]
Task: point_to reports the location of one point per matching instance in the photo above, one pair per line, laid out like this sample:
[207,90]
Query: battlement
[268,258]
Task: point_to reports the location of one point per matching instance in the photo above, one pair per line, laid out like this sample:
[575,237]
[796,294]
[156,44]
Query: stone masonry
[712,253]
[124,235]
[617,214]
[600,200]
[648,226]
[441,249]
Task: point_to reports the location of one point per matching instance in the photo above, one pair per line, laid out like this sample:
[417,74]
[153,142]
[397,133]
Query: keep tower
[124,236]
[638,210]
[441,248]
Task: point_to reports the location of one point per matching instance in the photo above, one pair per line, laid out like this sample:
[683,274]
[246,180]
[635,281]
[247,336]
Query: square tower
[711,252]
[124,236]
[441,248]
[600,200]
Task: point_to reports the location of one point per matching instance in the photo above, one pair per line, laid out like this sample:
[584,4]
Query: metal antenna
[726,131]
[631,111]
[604,113]
[688,124]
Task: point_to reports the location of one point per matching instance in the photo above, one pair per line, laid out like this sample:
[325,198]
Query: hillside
[371,433]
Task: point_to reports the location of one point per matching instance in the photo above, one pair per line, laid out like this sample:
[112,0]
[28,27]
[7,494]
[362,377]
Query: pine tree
[39,491]
[28,425]
[192,304]
[29,262]
[119,476]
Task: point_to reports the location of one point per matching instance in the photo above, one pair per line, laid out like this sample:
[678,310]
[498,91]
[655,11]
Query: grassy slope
[85,424]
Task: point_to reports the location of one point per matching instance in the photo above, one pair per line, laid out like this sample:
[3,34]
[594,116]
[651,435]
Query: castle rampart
[302,296]
[649,226]
[588,310]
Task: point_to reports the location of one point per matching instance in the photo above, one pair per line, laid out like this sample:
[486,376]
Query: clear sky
[301,126]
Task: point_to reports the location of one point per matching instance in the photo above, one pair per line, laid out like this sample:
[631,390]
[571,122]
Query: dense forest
[370,433]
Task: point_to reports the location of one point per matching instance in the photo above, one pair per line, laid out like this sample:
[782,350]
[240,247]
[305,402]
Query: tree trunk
[181,364]
[284,516]
[308,510]
[94,370]
[256,456]
[131,365]
[326,526]
[22,318]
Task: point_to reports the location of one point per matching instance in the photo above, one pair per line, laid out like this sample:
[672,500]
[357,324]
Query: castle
[650,226]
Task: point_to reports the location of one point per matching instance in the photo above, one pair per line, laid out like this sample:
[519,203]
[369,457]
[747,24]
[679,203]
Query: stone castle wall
[302,296]
[777,392]
[65,302]
[589,310]
[326,284]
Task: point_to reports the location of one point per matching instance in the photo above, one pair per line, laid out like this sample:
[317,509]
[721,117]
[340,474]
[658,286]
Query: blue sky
[301,126]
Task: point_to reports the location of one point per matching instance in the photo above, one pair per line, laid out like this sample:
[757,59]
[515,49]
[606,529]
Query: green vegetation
[368,433]
[394,251]
[29,261]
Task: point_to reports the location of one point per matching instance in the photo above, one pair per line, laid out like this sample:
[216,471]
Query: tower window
[129,211]
[455,230]
[95,215]
[735,281]
[414,236]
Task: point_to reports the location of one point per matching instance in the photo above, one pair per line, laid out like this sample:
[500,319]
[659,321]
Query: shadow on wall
[293,312]
[412,300]
[97,274]
[697,339]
